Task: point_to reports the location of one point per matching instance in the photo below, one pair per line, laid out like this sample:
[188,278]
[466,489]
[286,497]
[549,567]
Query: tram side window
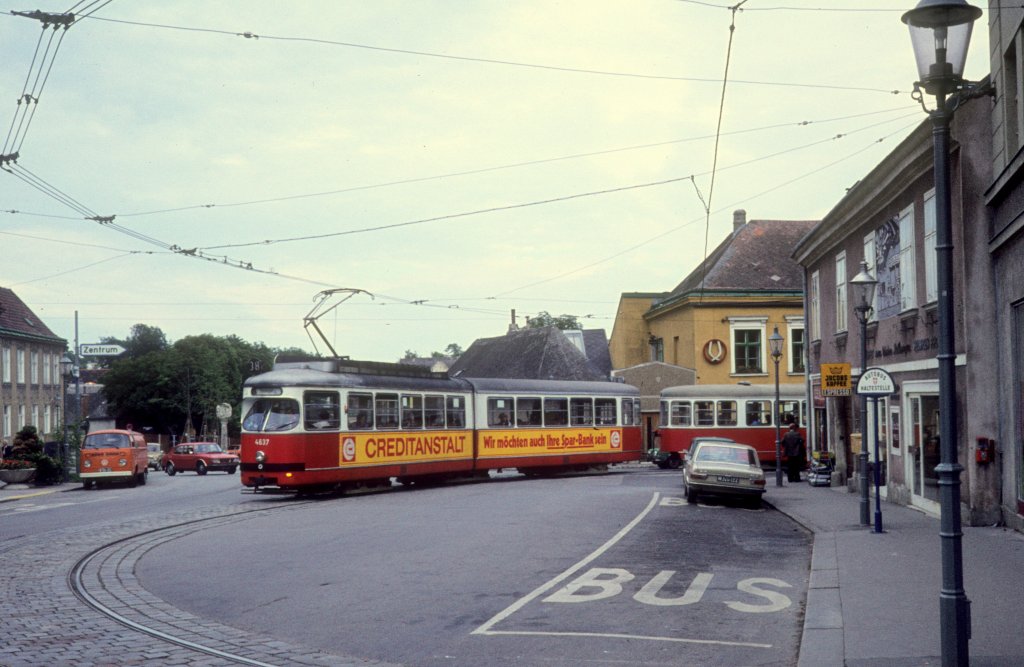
[759,413]
[627,412]
[433,411]
[681,413]
[455,409]
[726,413]
[663,414]
[360,412]
[321,410]
[604,410]
[500,411]
[636,411]
[705,413]
[556,412]
[412,411]
[581,411]
[789,412]
[272,414]
[386,407]
[528,411]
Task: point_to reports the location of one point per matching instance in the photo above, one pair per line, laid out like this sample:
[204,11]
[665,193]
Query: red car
[199,456]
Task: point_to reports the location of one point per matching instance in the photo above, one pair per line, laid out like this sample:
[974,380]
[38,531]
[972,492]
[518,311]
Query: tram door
[924,447]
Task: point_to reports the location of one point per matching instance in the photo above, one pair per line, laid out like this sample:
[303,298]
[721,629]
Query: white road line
[522,602]
[617,635]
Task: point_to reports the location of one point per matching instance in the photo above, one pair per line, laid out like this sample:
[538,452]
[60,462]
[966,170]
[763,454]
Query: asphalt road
[601,570]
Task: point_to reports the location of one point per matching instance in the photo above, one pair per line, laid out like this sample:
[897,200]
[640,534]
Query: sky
[454,161]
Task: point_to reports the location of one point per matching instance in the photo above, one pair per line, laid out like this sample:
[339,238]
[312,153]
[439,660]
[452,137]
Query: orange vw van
[113,455]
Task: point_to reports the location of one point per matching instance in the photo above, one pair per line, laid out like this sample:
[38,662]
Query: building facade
[887,220]
[30,376]
[1005,200]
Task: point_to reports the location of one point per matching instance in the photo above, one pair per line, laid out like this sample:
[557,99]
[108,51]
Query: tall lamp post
[864,285]
[941,33]
[67,372]
[775,345]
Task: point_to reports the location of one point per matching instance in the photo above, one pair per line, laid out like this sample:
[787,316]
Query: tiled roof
[756,257]
[533,354]
[18,320]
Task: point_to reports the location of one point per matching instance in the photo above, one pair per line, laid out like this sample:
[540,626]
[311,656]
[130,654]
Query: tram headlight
[87,463]
[122,462]
[260,456]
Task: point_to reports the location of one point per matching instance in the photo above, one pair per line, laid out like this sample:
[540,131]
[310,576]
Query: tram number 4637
[600,583]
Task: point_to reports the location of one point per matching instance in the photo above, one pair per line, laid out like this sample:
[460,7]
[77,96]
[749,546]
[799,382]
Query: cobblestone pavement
[46,623]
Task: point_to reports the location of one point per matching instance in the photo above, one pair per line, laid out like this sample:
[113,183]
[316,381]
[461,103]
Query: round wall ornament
[714,351]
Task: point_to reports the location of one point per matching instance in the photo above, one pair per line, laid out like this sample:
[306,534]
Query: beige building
[30,379]
[717,321]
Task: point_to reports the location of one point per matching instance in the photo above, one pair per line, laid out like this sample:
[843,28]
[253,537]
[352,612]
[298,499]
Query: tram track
[104,580]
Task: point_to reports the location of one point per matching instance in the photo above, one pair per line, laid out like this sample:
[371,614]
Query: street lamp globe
[864,285]
[775,345]
[941,32]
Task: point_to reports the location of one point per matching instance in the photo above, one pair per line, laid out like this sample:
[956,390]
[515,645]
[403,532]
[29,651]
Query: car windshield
[105,441]
[723,454]
[153,447]
[207,448]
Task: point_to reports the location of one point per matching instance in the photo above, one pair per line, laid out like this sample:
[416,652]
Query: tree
[454,350]
[545,319]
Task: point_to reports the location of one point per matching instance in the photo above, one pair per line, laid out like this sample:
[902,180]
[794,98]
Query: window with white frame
[931,276]
[814,299]
[870,260]
[841,292]
[908,271]
[7,421]
[21,417]
[797,344]
[747,335]
[21,366]
[35,416]
[34,367]
[46,368]
[5,360]
[1013,93]
[47,419]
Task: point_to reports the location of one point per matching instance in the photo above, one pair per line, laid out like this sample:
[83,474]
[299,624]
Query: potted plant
[16,471]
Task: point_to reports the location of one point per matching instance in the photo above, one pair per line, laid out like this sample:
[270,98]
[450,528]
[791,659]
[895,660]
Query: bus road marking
[620,635]
[545,587]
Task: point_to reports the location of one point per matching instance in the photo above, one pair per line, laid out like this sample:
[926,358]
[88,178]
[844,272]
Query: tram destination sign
[875,382]
[100,350]
[835,379]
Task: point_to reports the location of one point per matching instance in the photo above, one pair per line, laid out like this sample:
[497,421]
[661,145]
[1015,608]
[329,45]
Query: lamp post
[67,371]
[775,345]
[864,285]
[941,33]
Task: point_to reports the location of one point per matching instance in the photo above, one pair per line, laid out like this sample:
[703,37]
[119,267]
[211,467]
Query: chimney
[739,218]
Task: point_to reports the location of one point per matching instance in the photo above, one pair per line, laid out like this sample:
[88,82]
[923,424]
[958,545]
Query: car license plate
[105,470]
[730,480]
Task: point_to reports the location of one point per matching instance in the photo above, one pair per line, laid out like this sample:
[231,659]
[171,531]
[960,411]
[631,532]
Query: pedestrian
[796,453]
[7,449]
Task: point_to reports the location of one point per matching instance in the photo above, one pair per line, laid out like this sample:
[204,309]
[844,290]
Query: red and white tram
[314,424]
[742,413]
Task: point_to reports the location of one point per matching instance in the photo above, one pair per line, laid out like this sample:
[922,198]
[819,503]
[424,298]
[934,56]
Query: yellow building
[718,319]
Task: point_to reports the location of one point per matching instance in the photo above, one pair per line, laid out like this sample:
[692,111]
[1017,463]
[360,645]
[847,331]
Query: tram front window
[272,414]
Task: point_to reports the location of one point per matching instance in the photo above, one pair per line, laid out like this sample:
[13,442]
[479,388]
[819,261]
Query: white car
[723,469]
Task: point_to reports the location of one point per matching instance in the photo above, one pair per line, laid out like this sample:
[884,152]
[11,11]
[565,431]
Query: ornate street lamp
[864,285]
[775,345]
[941,32]
[67,372]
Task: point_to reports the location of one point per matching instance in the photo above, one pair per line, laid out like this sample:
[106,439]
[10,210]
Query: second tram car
[314,424]
[743,413]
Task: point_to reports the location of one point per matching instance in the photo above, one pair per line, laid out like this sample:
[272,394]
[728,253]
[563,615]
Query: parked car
[723,468]
[154,453]
[200,457]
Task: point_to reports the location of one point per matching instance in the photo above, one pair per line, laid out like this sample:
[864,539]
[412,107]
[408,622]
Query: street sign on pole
[875,382]
[100,350]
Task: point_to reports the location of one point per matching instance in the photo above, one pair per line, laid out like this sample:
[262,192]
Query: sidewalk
[874,597]
[21,491]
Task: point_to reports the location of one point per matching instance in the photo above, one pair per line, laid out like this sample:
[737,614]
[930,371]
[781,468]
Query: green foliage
[26,443]
[47,469]
[546,319]
[177,388]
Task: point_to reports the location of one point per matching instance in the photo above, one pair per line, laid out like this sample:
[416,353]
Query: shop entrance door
[923,449]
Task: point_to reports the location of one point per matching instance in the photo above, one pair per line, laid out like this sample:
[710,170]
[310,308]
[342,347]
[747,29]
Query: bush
[47,469]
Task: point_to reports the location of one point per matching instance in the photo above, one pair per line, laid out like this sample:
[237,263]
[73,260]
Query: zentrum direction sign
[875,382]
[100,350]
